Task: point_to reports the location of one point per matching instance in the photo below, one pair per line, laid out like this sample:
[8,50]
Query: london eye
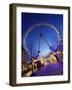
[42,36]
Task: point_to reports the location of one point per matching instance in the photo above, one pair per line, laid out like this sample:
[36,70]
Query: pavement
[49,70]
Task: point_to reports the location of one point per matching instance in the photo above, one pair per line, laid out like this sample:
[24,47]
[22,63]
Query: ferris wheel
[41,36]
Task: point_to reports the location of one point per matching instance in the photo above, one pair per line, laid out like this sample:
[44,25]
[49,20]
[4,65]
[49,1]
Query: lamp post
[31,56]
